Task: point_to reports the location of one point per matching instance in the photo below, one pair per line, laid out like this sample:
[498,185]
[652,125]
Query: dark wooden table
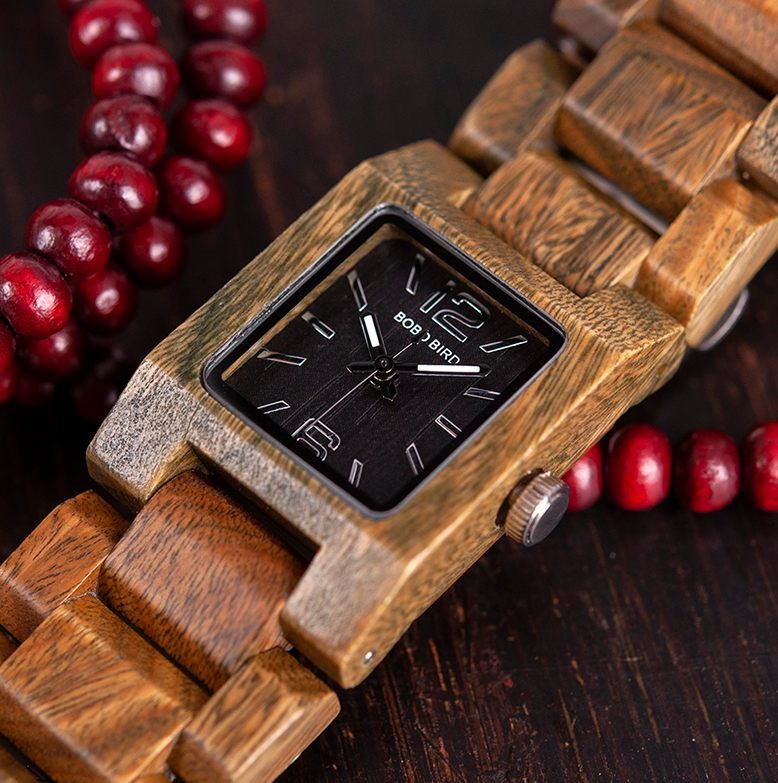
[629,647]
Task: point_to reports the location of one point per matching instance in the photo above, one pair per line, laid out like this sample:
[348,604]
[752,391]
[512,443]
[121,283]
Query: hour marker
[282,358]
[503,345]
[438,297]
[274,407]
[413,278]
[417,466]
[325,331]
[448,426]
[372,333]
[356,473]
[481,394]
[357,290]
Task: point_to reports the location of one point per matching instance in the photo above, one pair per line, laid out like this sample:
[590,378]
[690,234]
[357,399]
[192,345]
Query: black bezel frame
[322,268]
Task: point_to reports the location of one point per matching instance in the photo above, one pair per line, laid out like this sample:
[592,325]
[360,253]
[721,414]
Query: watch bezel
[349,242]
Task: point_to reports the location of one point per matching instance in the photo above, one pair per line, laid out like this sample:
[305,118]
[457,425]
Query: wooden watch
[324,447]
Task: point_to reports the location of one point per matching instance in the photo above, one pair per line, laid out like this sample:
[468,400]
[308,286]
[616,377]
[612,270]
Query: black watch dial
[392,352]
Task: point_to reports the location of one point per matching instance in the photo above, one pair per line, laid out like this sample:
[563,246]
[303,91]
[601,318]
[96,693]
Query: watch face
[384,359]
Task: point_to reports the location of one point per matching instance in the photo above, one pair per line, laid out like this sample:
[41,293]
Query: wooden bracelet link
[670,129]
[87,697]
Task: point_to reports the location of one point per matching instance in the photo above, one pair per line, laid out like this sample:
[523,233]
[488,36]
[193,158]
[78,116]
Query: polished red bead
[71,7]
[7,345]
[106,302]
[638,467]
[8,380]
[154,254]
[70,236]
[32,391]
[706,471]
[34,297]
[136,69]
[128,123]
[190,192]
[116,185]
[93,394]
[214,129]
[58,357]
[225,69]
[759,456]
[105,23]
[585,480]
[239,20]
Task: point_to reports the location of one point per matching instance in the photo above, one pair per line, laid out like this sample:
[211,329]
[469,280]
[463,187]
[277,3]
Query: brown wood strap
[655,125]
[257,724]
[594,22]
[7,645]
[758,155]
[60,559]
[740,34]
[202,578]
[709,254]
[542,207]
[87,699]
[516,109]
[11,771]
[659,120]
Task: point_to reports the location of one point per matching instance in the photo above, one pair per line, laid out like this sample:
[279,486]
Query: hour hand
[373,336]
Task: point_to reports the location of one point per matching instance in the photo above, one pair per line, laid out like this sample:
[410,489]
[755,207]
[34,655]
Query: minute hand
[439,370]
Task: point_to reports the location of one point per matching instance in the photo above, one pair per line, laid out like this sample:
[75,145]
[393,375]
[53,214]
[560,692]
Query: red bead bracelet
[128,204]
[704,469]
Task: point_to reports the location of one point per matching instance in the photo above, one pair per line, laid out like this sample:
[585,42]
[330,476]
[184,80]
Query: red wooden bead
[8,380]
[154,254]
[58,357]
[32,391]
[759,454]
[136,69]
[585,480]
[190,192]
[70,236]
[7,345]
[34,297]
[128,123]
[105,23]
[706,471]
[638,467]
[116,185]
[224,68]
[94,394]
[106,302]
[214,129]
[240,20]
[71,7]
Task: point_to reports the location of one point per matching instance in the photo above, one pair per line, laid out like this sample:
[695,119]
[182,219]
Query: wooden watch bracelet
[200,581]
[686,144]
[108,621]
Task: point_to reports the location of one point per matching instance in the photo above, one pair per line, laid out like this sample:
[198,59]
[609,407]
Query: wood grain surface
[709,254]
[543,207]
[60,559]
[740,34]
[656,118]
[515,110]
[257,724]
[202,579]
[90,701]
[629,647]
